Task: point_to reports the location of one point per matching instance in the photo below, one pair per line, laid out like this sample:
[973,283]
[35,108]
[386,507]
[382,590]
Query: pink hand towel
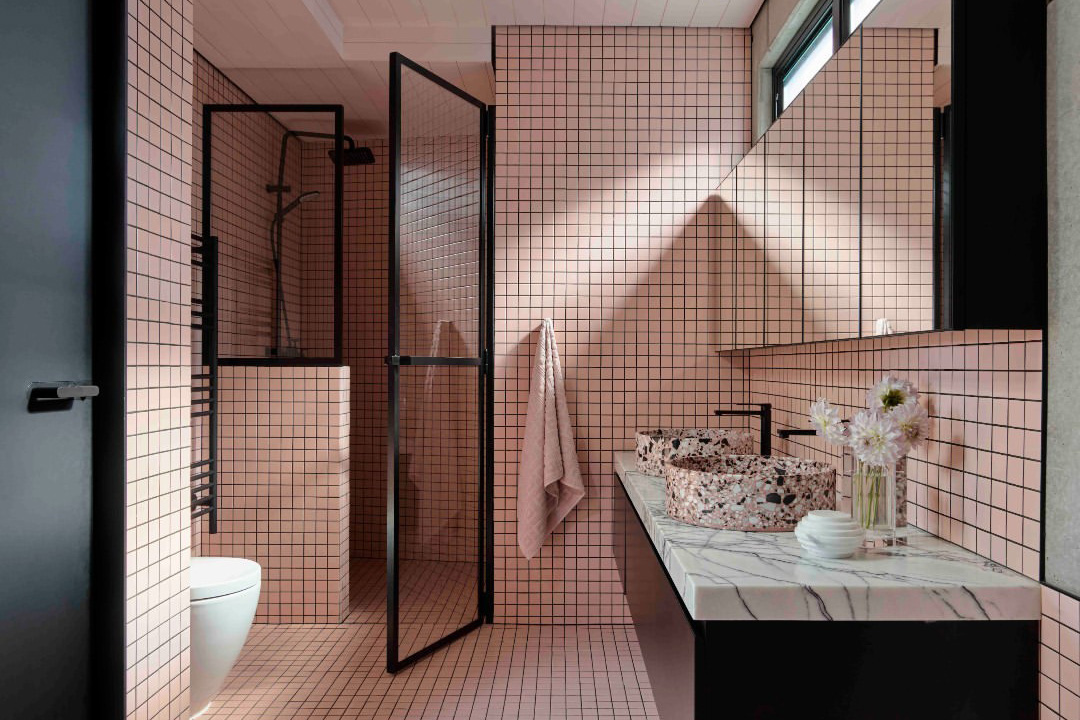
[549,481]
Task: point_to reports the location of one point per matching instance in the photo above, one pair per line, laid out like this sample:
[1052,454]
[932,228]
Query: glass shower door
[436,365]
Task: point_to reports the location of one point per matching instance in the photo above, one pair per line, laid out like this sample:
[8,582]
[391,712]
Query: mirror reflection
[834,223]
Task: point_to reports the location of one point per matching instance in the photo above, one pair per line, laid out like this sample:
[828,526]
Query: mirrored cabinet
[875,203]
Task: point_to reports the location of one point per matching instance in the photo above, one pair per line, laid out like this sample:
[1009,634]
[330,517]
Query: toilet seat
[213,577]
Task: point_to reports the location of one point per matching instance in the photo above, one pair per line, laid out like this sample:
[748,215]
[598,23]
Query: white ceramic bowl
[832,518]
[829,534]
[834,535]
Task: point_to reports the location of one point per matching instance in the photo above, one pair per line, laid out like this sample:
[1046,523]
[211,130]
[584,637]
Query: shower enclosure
[279,227]
[266,259]
[302,271]
[439,364]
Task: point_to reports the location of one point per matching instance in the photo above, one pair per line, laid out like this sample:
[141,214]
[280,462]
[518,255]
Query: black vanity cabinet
[841,670]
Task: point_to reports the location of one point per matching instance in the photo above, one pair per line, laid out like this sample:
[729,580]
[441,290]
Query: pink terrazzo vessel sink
[747,492]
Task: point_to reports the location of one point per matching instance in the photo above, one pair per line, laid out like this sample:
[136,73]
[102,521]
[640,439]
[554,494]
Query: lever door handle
[53,396]
[77,392]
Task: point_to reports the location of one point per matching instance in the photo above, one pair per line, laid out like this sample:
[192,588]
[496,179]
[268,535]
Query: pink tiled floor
[499,671]
[436,598]
[434,592]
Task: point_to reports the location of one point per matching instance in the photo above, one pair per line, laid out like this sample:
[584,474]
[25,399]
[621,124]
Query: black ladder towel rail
[204,386]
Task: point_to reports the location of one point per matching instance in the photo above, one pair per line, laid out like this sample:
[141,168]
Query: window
[859,10]
[805,55]
[825,30]
[806,65]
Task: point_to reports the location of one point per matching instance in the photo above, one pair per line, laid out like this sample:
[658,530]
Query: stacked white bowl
[829,534]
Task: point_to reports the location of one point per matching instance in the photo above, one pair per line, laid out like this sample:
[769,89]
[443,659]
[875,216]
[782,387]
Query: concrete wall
[1062,502]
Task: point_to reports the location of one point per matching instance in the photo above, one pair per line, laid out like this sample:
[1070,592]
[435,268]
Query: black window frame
[826,10]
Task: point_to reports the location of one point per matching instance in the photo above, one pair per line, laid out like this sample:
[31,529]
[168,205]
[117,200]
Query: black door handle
[53,396]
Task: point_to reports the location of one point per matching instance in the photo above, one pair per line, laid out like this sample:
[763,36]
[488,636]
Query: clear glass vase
[874,501]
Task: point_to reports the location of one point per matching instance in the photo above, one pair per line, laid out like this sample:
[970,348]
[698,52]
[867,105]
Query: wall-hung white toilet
[224,594]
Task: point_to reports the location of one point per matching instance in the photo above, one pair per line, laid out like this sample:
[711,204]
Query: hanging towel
[549,482]
[436,345]
[882,326]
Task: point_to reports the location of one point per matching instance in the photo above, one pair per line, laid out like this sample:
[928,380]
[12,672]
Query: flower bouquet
[879,438]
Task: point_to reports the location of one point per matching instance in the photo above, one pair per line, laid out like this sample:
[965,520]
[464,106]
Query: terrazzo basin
[747,492]
[655,448]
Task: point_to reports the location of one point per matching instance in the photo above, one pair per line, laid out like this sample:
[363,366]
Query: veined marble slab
[731,575]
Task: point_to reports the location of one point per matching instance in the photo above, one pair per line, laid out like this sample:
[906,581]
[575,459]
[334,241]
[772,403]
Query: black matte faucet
[791,432]
[764,411]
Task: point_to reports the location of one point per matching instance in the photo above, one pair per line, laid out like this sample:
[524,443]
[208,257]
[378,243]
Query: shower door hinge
[487,608]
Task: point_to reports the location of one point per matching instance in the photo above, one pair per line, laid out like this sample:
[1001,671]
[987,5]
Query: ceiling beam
[328,20]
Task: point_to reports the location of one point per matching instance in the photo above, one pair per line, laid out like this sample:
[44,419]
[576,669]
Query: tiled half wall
[284,486]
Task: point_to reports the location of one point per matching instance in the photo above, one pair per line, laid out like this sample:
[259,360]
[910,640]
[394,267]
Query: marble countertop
[731,575]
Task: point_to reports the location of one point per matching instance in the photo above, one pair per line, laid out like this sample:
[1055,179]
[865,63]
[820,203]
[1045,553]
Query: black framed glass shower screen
[273,198]
[436,468]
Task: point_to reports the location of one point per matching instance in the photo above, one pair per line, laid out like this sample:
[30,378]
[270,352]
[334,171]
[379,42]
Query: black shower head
[301,198]
[356,156]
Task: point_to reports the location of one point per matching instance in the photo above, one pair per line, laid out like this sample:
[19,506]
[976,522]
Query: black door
[45,342]
[437,391]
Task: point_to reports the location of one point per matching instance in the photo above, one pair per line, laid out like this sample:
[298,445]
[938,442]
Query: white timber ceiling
[336,51]
[935,14]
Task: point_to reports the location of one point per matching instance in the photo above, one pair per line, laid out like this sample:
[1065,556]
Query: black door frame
[108,261]
[394,361]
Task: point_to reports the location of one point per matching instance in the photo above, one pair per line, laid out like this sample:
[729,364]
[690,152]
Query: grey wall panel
[1062,492]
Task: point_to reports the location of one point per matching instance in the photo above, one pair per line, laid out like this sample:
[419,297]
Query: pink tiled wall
[439,300]
[1059,662]
[283,463]
[977,482]
[284,486]
[367,202]
[609,143]
[246,154]
[158,357]
[830,214]
[897,178]
[245,159]
[783,149]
